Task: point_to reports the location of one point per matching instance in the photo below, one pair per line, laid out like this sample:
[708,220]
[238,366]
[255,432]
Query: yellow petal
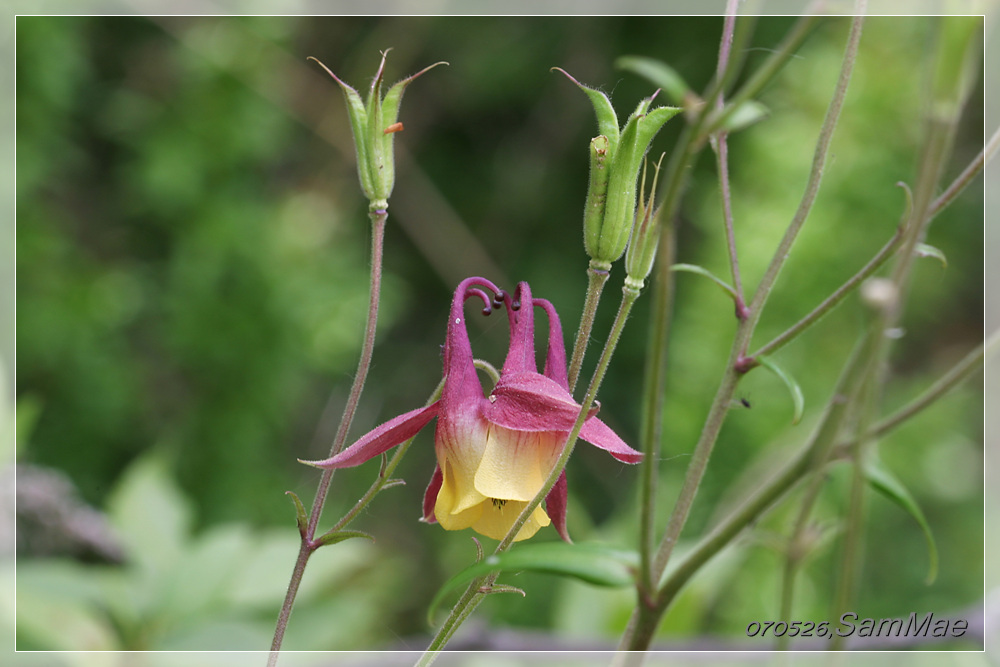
[515,463]
[458,504]
[459,445]
[498,516]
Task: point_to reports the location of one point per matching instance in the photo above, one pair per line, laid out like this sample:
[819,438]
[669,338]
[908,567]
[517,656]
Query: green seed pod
[597,193]
[619,211]
[374,126]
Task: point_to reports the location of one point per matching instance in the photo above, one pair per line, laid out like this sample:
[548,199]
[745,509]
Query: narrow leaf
[595,564]
[340,536]
[659,74]
[925,250]
[702,271]
[300,512]
[883,481]
[793,387]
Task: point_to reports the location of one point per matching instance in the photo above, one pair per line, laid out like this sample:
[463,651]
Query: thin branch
[969,173]
[834,299]
[816,172]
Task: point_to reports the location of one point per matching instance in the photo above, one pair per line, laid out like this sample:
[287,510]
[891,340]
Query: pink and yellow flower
[494,452]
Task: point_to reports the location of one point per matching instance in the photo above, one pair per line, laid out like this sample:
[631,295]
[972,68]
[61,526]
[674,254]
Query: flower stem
[307,546]
[597,276]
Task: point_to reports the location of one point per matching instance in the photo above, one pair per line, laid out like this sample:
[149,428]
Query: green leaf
[702,271]
[659,74]
[595,564]
[925,250]
[793,387]
[300,512]
[883,481]
[340,536]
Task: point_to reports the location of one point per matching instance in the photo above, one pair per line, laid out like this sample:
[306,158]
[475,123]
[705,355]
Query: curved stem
[816,171]
[378,219]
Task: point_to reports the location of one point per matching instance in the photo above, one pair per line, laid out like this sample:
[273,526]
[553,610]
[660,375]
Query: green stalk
[307,547]
[597,276]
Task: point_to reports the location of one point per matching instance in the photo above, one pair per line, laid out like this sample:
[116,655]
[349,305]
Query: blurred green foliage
[191,287]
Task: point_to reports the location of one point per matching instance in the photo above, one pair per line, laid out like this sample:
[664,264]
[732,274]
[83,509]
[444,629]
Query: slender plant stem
[720,145]
[831,302]
[970,363]
[307,546]
[969,173]
[653,390]
[479,587]
[816,171]
[597,276]
[765,73]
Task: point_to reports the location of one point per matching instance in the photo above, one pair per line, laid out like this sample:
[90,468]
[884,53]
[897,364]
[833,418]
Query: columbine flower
[495,452]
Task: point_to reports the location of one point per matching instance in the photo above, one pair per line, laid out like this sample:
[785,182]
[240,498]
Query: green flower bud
[374,126]
[645,238]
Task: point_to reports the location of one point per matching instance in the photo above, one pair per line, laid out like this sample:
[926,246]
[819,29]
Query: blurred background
[192,253]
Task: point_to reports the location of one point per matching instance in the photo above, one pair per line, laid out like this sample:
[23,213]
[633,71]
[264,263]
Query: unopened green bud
[642,246]
[374,126]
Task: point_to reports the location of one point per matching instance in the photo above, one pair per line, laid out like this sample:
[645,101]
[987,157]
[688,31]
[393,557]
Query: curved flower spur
[494,452]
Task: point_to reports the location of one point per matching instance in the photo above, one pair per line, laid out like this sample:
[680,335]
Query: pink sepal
[430,496]
[381,439]
[555,507]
